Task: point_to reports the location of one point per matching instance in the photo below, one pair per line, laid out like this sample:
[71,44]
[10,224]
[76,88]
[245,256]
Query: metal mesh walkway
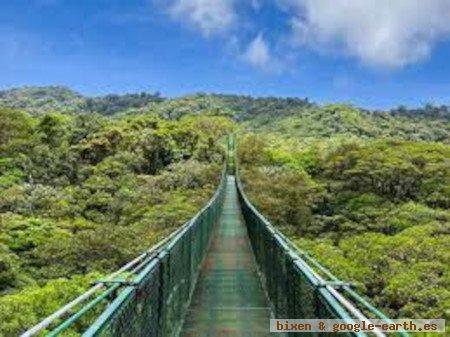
[228,299]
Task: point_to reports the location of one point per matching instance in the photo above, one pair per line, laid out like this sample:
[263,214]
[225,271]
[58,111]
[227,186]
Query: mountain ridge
[42,99]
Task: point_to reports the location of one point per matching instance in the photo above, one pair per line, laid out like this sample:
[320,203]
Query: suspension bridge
[226,272]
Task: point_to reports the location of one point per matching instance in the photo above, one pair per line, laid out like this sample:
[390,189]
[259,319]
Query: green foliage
[20,311]
[286,116]
[405,274]
[14,125]
[397,170]
[85,194]
[9,269]
[113,104]
[53,128]
[38,100]
[375,212]
[348,121]
[288,197]
[41,100]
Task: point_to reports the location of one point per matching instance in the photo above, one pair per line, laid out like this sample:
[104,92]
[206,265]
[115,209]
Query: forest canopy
[80,195]
[374,211]
[87,183]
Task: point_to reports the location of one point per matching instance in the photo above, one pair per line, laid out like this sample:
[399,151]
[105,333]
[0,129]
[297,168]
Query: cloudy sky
[373,53]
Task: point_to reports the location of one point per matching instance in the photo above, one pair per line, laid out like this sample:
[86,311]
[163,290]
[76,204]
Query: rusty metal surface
[228,300]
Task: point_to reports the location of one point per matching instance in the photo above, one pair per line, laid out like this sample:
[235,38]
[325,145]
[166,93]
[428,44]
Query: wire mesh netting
[292,290]
[155,303]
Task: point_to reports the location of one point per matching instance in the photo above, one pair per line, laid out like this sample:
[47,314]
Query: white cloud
[209,16]
[257,53]
[390,33]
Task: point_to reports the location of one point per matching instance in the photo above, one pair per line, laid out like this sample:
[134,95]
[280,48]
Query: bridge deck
[228,299]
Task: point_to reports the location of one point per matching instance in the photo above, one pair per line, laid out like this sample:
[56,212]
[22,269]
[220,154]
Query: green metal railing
[294,287]
[156,303]
[148,296]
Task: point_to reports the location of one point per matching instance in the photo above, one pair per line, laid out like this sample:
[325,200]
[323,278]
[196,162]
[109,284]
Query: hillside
[345,120]
[287,115]
[39,100]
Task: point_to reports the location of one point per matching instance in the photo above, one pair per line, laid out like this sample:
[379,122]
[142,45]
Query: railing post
[162,294]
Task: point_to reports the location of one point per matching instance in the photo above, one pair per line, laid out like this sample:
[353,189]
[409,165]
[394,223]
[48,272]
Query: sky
[371,53]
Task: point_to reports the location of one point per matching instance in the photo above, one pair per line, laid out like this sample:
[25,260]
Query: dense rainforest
[87,183]
[370,202]
[80,195]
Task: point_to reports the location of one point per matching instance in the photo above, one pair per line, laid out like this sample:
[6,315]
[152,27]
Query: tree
[14,125]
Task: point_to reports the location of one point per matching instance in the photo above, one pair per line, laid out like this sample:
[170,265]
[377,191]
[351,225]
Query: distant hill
[248,107]
[39,100]
[345,120]
[113,104]
[289,116]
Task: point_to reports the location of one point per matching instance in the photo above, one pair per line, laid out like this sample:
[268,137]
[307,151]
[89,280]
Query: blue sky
[373,53]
